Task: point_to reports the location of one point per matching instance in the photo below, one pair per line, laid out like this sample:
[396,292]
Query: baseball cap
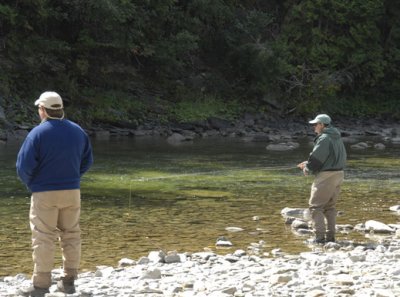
[321,118]
[50,100]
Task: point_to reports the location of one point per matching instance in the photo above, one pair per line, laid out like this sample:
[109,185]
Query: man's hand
[302,166]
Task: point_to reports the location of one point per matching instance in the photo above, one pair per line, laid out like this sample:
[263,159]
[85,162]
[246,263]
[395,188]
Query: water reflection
[145,194]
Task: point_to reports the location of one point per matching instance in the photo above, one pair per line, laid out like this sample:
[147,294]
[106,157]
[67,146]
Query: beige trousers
[324,194]
[55,215]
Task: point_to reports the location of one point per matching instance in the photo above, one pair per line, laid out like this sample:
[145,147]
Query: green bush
[191,110]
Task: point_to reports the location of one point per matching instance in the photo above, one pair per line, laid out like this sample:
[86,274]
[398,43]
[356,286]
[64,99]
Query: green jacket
[329,153]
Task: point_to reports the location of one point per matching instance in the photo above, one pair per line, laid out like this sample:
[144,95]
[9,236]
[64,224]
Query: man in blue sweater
[51,162]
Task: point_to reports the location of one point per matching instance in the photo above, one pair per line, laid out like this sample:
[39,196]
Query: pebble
[362,271]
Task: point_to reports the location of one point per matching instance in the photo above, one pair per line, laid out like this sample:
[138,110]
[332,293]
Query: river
[144,194]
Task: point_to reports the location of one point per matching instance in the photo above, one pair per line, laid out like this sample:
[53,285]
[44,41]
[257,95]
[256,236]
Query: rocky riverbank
[277,132]
[349,271]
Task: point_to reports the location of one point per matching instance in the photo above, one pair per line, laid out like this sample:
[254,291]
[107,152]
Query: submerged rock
[234,229]
[360,146]
[297,224]
[379,146]
[288,146]
[223,242]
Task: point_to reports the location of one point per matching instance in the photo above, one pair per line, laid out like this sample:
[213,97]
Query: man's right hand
[302,165]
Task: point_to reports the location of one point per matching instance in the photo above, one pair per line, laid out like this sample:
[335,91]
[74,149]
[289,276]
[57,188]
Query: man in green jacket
[326,162]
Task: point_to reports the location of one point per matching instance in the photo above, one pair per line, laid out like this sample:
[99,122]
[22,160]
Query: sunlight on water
[145,194]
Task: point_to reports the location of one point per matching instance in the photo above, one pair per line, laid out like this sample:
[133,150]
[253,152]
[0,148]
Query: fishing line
[215,172]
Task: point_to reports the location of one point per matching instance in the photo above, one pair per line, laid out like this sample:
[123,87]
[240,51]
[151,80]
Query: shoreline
[251,127]
[336,269]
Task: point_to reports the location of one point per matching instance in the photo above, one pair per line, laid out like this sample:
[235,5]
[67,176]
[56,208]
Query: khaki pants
[324,194]
[55,214]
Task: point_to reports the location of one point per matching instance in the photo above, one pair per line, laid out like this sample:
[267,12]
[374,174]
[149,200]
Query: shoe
[66,286]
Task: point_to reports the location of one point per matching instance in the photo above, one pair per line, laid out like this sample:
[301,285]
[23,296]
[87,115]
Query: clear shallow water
[144,194]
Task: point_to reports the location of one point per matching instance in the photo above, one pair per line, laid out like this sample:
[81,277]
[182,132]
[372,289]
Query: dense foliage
[131,60]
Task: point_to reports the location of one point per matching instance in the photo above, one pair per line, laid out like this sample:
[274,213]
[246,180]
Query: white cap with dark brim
[321,118]
[50,100]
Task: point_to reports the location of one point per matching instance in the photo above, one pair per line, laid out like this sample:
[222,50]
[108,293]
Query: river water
[145,194]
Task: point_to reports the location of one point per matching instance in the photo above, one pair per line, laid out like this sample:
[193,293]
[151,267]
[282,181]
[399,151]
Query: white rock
[380,249]
[172,257]
[316,293]
[342,279]
[293,212]
[280,278]
[104,271]
[143,261]
[239,253]
[126,262]
[223,242]
[394,226]
[156,256]
[395,208]
[377,227]
[203,255]
[152,274]
[231,258]
[357,258]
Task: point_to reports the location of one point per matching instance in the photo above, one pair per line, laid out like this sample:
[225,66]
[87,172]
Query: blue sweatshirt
[54,156]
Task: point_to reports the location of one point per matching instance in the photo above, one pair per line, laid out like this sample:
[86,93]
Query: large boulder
[176,138]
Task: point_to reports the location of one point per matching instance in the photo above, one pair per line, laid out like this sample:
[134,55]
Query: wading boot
[66,285]
[39,292]
[330,236]
[319,239]
[33,292]
[330,239]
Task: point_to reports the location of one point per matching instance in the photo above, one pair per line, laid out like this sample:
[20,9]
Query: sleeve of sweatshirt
[27,161]
[318,156]
[87,158]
